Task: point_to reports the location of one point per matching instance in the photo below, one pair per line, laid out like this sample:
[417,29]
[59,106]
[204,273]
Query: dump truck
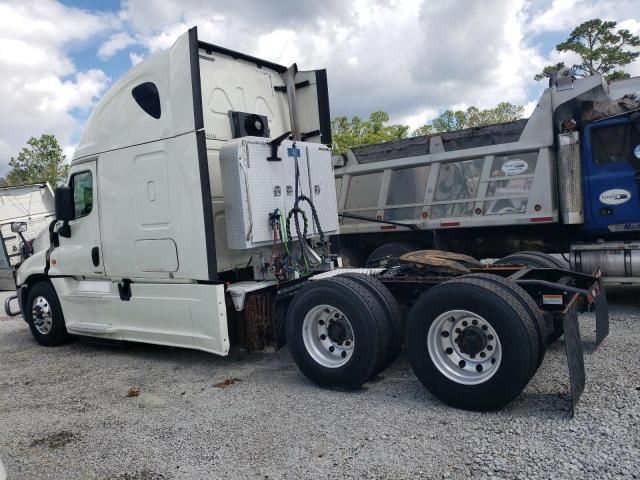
[198,213]
[564,181]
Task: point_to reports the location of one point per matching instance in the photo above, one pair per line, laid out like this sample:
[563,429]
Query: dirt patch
[227,383]
[56,440]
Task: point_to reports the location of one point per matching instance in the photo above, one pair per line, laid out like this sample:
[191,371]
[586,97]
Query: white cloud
[116,42]
[39,84]
[135,58]
[417,120]
[567,14]
[529,107]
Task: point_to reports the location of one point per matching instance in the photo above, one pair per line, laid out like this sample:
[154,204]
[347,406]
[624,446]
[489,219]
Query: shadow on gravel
[544,406]
[163,354]
[56,440]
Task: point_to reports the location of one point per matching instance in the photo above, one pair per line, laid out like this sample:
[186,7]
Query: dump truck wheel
[471,344]
[43,313]
[390,305]
[333,334]
[381,255]
[527,302]
[533,259]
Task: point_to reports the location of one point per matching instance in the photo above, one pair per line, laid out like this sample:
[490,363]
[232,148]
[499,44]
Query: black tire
[510,321]
[361,308]
[381,255]
[393,312]
[521,295]
[380,319]
[533,259]
[539,260]
[57,333]
[351,257]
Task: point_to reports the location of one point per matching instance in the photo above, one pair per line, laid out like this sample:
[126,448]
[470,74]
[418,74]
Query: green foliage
[471,117]
[354,132]
[41,161]
[548,71]
[601,48]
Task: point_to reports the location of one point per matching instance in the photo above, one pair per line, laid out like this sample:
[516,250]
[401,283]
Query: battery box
[256,183]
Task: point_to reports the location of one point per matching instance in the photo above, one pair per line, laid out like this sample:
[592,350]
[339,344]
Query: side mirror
[18,227]
[64,204]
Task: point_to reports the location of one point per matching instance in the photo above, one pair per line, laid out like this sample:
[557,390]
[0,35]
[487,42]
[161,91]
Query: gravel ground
[64,413]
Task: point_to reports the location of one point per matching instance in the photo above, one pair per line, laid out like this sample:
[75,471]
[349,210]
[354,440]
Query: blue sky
[411,58]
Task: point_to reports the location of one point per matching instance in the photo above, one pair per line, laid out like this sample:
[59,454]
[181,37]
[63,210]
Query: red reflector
[450,224]
[388,227]
[541,219]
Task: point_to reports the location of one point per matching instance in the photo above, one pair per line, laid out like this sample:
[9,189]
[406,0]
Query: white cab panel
[235,84]
[118,121]
[90,306]
[182,315]
[308,106]
[160,255]
[152,212]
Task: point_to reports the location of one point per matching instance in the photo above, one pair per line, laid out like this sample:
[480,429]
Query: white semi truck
[564,181]
[197,213]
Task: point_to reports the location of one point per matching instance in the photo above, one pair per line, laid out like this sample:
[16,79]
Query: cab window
[82,187]
[616,144]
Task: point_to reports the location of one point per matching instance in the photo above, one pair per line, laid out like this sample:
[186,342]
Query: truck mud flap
[575,355]
[602,316]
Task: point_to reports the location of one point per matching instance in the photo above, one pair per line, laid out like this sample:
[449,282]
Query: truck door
[611,157]
[80,255]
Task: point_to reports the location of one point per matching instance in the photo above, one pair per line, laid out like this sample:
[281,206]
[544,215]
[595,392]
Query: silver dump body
[483,176]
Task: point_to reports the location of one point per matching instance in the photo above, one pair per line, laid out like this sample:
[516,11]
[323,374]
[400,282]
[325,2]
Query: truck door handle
[95,256]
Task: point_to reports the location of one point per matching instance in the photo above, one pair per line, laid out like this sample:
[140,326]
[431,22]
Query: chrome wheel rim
[464,347]
[42,315]
[328,336]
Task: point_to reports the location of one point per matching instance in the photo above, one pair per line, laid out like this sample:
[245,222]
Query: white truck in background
[25,210]
[198,211]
